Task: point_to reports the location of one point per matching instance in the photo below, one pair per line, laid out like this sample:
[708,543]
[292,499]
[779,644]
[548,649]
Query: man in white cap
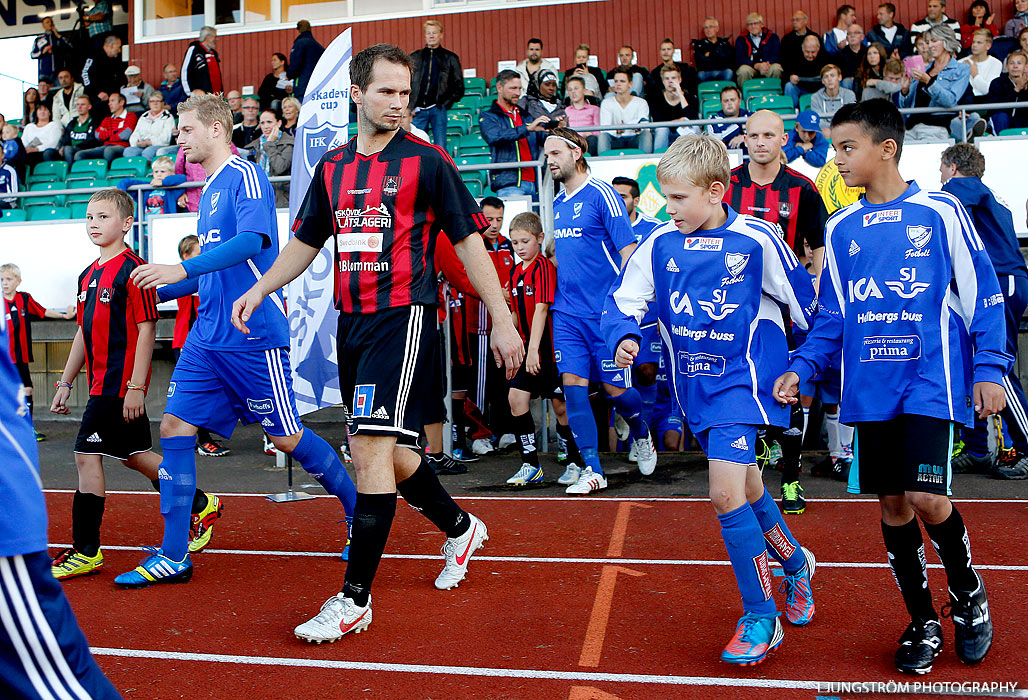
[137,93]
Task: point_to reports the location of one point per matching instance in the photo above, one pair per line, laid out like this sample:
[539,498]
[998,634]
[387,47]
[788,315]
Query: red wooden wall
[484,37]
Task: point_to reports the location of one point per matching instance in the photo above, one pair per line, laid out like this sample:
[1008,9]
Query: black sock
[156,485]
[459,433]
[435,456]
[569,437]
[372,518]
[954,549]
[524,428]
[203,436]
[199,501]
[790,440]
[425,494]
[87,512]
[910,568]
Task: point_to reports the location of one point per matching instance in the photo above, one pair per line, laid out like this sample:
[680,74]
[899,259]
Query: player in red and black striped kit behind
[766,188]
[117,326]
[532,284]
[385,197]
[19,310]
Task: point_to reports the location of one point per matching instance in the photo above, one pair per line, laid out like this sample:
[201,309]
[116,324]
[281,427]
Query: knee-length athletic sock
[524,428]
[905,548]
[583,426]
[425,494]
[564,433]
[372,519]
[748,554]
[954,549]
[322,462]
[629,405]
[780,542]
[199,497]
[648,396]
[87,512]
[177,492]
[832,426]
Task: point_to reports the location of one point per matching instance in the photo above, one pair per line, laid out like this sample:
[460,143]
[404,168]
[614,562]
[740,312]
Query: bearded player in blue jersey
[223,376]
[593,239]
[715,279]
[43,653]
[910,298]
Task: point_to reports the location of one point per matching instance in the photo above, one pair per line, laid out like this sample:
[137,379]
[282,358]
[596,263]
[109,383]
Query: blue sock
[648,395]
[322,462]
[630,405]
[745,544]
[583,425]
[178,484]
[780,542]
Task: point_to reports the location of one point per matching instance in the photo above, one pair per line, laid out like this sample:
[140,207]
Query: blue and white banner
[322,125]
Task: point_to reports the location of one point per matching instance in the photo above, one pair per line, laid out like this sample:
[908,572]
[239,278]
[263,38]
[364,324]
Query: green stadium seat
[776,103]
[475,86]
[56,200]
[480,175]
[767,84]
[48,171]
[713,87]
[475,187]
[805,102]
[622,152]
[135,166]
[468,103]
[96,166]
[44,212]
[12,215]
[1014,132]
[78,209]
[459,120]
[790,124]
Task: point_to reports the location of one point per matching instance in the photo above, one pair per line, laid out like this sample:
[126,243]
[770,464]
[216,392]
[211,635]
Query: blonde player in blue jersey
[715,279]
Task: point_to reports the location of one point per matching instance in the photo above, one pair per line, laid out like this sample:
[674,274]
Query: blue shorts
[826,386]
[213,390]
[43,653]
[730,443]
[650,347]
[579,350]
[668,422]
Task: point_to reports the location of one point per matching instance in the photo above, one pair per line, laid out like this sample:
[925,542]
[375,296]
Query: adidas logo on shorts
[381,413]
[672,266]
[741,444]
[95,437]
[854,248]
[267,423]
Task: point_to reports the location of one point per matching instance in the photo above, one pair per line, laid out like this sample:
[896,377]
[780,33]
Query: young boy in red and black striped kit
[19,310]
[117,325]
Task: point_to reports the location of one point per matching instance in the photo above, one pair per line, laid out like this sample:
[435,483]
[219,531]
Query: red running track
[530,621]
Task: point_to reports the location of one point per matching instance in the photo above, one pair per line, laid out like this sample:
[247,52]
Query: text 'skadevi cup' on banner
[322,125]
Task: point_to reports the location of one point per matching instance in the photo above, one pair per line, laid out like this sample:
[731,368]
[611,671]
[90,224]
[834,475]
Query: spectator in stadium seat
[889,33]
[791,51]
[1010,87]
[943,83]
[171,88]
[80,133]
[51,50]
[14,150]
[201,67]
[835,39]
[29,103]
[667,58]
[275,87]
[871,69]
[622,107]
[547,103]
[804,76]
[713,55]
[511,138]
[671,105]
[581,67]
[407,124]
[984,68]
[41,138]
[103,73]
[756,51]
[153,129]
[850,57]
[1022,39]
[437,82]
[827,101]
[290,114]
[234,98]
[303,57]
[114,131]
[1019,21]
[162,175]
[64,99]
[273,153]
[979,16]
[733,135]
[888,85]
[806,140]
[136,91]
[46,95]
[8,184]
[532,64]
[194,172]
[639,74]
[935,17]
[581,113]
[246,131]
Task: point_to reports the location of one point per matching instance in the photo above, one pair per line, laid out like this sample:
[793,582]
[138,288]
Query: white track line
[547,560]
[535,674]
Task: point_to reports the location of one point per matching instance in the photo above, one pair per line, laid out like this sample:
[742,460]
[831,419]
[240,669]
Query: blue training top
[993,221]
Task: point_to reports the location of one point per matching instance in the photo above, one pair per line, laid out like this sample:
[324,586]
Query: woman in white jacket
[42,138]
[153,130]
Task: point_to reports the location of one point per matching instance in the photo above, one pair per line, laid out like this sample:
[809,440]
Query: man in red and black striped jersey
[385,197]
[19,310]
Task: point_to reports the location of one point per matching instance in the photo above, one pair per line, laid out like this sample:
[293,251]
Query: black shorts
[905,453]
[546,384]
[26,376]
[384,371]
[105,432]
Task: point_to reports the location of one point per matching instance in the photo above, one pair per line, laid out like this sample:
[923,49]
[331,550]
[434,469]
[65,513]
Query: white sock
[834,443]
[846,436]
[806,420]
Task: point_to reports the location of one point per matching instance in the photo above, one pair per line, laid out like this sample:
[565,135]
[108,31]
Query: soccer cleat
[505,441]
[647,454]
[338,616]
[762,451]
[201,525]
[775,453]
[344,450]
[528,474]
[562,451]
[457,551]
[445,464]
[345,556]
[40,437]
[754,639]
[972,623]
[968,463]
[792,498]
[799,595]
[70,563]
[462,454]
[588,481]
[633,453]
[919,645]
[841,468]
[482,446]
[621,427]
[156,568]
[958,447]
[823,467]
[570,475]
[1011,465]
[212,449]
[269,447]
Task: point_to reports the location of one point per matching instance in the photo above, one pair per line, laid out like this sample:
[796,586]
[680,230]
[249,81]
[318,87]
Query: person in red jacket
[113,132]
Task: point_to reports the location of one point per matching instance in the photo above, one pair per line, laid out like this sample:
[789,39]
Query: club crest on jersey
[784,209]
[735,263]
[105,294]
[885,216]
[578,210]
[215,196]
[391,184]
[919,236]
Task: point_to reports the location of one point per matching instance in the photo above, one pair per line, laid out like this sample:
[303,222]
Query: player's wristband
[130,386]
[65,385]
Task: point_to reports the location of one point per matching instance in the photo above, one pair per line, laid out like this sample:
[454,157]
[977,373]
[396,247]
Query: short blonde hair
[754,17]
[433,23]
[698,159]
[121,200]
[12,268]
[529,222]
[209,109]
[162,162]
